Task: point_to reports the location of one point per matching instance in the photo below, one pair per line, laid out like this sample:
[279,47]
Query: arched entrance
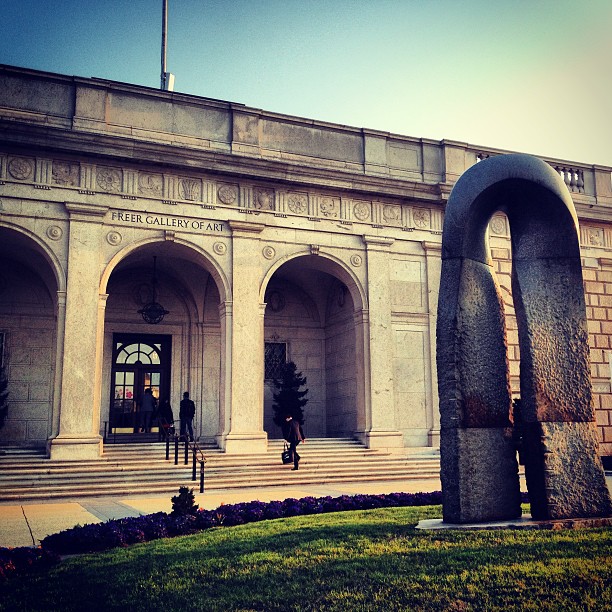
[310,320]
[182,352]
[29,288]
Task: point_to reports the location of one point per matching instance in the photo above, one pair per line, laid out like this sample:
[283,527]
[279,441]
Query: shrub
[184,503]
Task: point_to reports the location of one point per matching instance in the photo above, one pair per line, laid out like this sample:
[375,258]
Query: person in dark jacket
[166,419]
[186,414]
[294,434]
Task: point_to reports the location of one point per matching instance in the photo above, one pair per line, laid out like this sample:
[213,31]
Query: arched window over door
[140,361]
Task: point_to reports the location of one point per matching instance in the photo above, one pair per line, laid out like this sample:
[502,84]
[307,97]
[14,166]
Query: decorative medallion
[356,260]
[421,217]
[54,232]
[296,202]
[498,225]
[227,194]
[65,173]
[391,214]
[361,210]
[21,168]
[264,199]
[328,207]
[268,252]
[150,184]
[220,248]
[276,301]
[189,189]
[108,179]
[114,238]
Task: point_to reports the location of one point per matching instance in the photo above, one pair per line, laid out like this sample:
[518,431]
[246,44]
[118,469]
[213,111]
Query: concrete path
[27,524]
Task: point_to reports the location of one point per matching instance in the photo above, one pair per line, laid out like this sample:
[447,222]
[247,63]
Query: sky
[523,75]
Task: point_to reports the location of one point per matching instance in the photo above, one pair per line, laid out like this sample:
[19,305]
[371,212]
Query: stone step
[131,469]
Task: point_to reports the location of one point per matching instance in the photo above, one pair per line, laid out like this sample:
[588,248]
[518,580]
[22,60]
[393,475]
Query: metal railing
[190,447]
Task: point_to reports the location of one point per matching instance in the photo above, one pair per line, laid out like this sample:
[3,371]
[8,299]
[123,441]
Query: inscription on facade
[165,222]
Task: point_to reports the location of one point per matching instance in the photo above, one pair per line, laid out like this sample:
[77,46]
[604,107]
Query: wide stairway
[142,469]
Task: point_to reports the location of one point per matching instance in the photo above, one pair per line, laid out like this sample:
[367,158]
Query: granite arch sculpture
[479,468]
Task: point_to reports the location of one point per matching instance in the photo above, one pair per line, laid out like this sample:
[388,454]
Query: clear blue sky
[524,75]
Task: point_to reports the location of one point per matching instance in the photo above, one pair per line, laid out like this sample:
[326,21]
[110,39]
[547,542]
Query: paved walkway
[28,523]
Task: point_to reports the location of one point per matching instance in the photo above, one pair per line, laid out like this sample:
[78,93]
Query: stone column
[246,375]
[433,268]
[381,431]
[79,425]
[59,350]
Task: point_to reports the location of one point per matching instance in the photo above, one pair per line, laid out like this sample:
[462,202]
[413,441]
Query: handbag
[286,455]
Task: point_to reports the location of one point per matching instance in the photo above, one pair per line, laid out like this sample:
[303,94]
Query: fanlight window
[138,352]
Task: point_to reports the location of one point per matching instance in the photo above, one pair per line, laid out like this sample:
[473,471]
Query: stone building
[265,237]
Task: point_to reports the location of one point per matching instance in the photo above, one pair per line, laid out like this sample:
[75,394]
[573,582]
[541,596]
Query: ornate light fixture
[153,312]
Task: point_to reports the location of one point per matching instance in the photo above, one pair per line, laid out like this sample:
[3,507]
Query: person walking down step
[294,435]
[186,414]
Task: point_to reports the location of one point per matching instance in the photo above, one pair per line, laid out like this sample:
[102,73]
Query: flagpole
[164,42]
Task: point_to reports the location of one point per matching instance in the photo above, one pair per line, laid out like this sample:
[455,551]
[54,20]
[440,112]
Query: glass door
[139,362]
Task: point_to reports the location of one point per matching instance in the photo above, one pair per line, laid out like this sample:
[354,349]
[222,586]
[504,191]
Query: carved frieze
[108,179]
[150,184]
[362,211]
[65,173]
[21,168]
[421,218]
[227,194]
[297,203]
[329,207]
[190,189]
[264,199]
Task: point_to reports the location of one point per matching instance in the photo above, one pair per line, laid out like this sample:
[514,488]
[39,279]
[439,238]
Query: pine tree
[3,397]
[289,400]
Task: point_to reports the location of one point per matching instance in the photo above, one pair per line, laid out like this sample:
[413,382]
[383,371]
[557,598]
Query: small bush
[184,503]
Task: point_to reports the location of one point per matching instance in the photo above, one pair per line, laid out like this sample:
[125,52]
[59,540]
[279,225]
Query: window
[274,358]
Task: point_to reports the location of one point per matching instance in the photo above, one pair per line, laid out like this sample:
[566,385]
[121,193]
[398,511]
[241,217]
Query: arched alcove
[310,320]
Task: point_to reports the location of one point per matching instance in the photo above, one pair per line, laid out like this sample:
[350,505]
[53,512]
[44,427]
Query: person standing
[294,435]
[166,420]
[186,414]
[147,408]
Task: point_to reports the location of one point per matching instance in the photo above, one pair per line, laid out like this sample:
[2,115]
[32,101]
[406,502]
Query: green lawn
[364,560]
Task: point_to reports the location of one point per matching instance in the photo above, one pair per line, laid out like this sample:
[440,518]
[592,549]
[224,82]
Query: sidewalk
[28,523]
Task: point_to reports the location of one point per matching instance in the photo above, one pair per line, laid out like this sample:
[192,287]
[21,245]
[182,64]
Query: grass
[361,560]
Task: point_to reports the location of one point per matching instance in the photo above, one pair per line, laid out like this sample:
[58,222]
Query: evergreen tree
[289,400]
[3,397]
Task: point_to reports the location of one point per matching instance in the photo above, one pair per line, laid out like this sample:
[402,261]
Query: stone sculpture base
[525,522]
[484,456]
[564,474]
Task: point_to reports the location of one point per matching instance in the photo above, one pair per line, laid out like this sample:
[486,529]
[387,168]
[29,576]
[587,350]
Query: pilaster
[433,270]
[79,416]
[381,428]
[246,434]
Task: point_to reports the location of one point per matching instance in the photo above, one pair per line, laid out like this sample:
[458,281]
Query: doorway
[140,361]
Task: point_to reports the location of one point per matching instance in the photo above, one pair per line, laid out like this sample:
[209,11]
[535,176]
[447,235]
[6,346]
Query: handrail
[197,451]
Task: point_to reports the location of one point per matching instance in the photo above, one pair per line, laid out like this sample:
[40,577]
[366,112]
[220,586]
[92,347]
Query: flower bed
[97,537]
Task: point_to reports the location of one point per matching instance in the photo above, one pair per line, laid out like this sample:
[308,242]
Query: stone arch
[318,324]
[197,287]
[327,263]
[479,469]
[203,258]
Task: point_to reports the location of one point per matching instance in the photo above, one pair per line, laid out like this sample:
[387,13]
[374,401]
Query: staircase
[141,469]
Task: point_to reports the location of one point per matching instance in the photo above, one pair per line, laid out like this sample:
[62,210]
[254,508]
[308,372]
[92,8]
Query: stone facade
[322,238]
